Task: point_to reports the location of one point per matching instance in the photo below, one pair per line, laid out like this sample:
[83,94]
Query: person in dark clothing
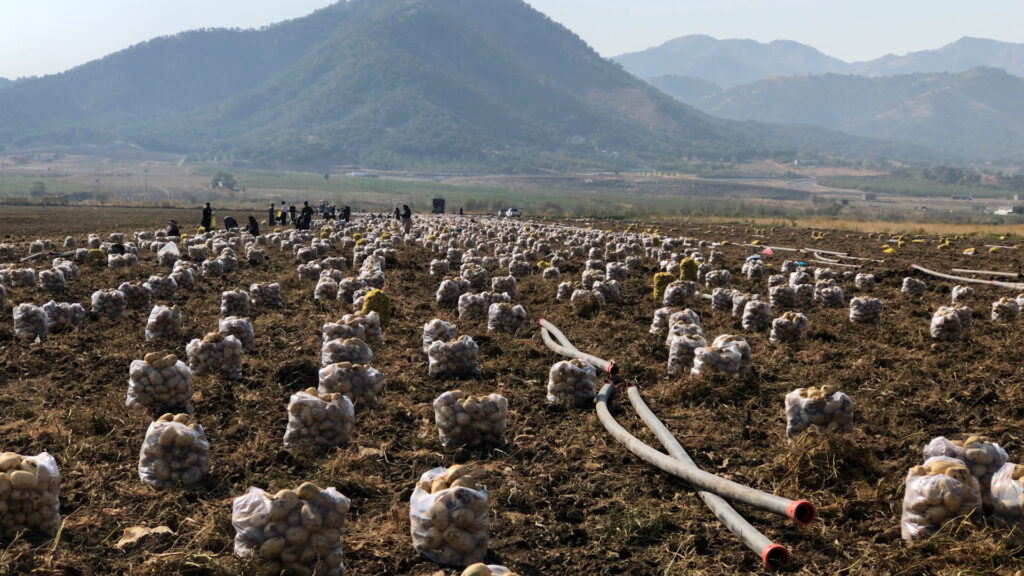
[172,229]
[397,215]
[254,227]
[273,216]
[207,216]
[346,214]
[307,215]
[460,210]
[406,217]
[230,222]
[283,213]
[291,210]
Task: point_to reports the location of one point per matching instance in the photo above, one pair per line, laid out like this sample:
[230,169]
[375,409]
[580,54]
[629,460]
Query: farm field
[565,498]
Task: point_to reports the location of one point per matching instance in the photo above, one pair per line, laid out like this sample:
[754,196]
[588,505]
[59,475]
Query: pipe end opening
[801,512]
[612,368]
[774,556]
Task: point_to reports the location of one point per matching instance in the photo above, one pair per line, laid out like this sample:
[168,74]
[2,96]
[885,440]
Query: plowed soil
[565,497]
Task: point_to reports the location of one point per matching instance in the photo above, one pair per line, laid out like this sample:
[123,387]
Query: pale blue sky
[46,36]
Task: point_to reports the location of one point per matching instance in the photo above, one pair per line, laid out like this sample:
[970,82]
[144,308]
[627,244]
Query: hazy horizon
[87,32]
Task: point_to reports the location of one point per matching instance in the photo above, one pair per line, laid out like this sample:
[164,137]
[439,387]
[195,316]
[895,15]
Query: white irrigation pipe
[1012,285]
[840,264]
[986,272]
[773,555]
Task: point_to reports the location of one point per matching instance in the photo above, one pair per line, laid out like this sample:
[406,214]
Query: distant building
[1009,210]
[870,197]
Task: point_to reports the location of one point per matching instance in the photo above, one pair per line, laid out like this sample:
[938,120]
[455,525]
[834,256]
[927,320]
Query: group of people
[301,221]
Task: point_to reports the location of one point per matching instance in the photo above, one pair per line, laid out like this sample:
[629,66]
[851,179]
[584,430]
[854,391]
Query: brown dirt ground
[565,498]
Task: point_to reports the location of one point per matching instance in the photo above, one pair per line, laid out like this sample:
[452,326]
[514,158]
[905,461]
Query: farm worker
[207,221]
[172,229]
[397,215]
[406,217]
[346,214]
[254,227]
[271,217]
[230,223]
[284,213]
[307,215]
[291,210]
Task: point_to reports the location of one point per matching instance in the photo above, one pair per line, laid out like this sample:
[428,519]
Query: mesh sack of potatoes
[212,269]
[216,353]
[740,344]
[679,292]
[309,271]
[457,357]
[518,268]
[1007,490]
[682,348]
[122,260]
[711,359]
[437,330]
[938,491]
[357,382]
[198,252]
[343,331]
[163,322]
[798,277]
[228,260]
[962,293]
[326,289]
[167,254]
[863,281]
[8,252]
[504,317]
[266,295]
[781,297]
[966,317]
[162,287]
[865,310]
[51,280]
[594,264]
[439,267]
[293,531]
[159,382]
[1005,310]
[506,284]
[240,327]
[136,296]
[610,290]
[804,295]
[739,302]
[832,297]
[777,280]
[823,409]
[590,276]
[586,302]
[659,323]
[30,321]
[370,321]
[474,306]
[323,420]
[980,454]
[255,256]
[475,275]
[448,517]
[757,315]
[824,274]
[471,421]
[184,277]
[565,290]
[63,315]
[913,286]
[29,494]
[351,350]
[616,271]
[109,304]
[721,299]
[790,327]
[687,316]
[753,269]
[449,291]
[718,279]
[174,451]
[572,381]
[551,274]
[235,303]
[68,268]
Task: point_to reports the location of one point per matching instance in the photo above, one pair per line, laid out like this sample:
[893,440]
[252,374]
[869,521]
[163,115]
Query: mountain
[728,63]
[964,54]
[689,89]
[383,83]
[4,82]
[977,114]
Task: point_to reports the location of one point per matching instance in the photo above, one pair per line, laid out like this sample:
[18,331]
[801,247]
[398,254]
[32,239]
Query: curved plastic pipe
[1013,285]
[985,272]
[773,555]
[801,512]
[565,348]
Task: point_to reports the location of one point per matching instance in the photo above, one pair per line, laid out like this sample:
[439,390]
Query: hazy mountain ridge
[977,114]
[731,62]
